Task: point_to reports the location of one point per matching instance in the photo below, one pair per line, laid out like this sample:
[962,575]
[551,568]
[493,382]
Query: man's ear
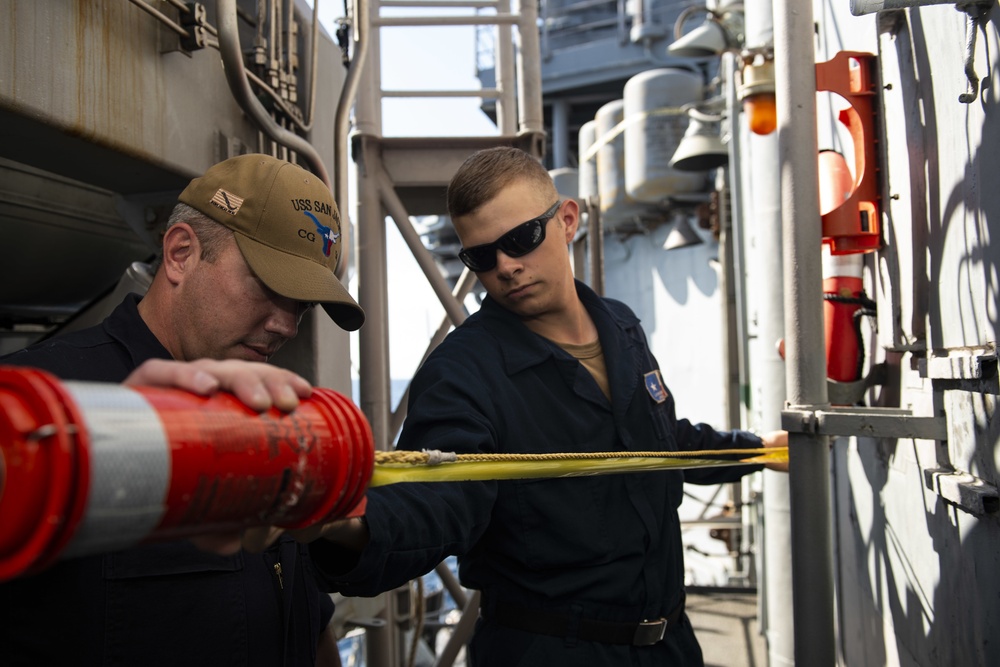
[181,250]
[571,219]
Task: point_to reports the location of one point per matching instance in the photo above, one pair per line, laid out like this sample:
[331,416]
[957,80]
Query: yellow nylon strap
[405,466]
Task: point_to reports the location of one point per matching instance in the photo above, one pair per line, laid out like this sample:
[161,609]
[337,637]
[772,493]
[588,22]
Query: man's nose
[507,266]
[284,317]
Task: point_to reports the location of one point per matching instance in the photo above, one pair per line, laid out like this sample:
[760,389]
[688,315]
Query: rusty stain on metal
[111,40]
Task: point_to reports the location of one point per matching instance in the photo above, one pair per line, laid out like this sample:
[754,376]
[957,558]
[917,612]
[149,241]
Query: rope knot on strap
[436,456]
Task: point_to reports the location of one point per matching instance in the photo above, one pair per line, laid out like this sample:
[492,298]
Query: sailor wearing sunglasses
[525,268]
[584,571]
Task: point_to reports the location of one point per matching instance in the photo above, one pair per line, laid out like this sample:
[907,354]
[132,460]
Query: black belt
[561,624]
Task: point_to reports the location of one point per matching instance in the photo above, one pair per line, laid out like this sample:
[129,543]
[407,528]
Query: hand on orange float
[259,386]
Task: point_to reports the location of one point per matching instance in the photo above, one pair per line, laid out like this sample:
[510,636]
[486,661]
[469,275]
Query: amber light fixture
[757,95]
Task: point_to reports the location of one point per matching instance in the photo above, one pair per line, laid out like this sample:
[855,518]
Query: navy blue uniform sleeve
[702,436]
[415,526]
[695,437]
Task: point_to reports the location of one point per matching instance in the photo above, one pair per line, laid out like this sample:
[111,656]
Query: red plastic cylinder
[842,344]
[43,489]
[89,467]
[842,282]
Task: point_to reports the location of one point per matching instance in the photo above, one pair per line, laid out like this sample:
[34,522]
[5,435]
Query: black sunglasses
[516,243]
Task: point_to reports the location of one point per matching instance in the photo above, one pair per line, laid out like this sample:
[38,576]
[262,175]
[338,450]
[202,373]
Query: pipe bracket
[964,490]
[863,422]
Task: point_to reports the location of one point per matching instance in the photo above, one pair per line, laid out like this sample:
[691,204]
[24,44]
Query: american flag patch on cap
[227,201]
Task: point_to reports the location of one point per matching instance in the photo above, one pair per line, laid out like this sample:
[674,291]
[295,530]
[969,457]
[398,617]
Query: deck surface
[725,623]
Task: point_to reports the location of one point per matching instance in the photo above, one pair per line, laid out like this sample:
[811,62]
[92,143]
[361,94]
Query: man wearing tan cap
[247,249]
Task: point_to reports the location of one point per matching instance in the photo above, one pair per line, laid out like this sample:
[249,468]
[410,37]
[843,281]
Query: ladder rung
[471,4]
[489,93]
[415,21]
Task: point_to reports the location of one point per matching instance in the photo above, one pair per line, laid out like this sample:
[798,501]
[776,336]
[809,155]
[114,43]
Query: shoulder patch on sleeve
[654,385]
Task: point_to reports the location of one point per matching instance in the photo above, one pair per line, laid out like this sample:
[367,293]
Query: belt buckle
[649,632]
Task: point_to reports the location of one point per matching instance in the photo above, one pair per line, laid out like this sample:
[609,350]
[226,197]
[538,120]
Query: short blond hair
[485,173]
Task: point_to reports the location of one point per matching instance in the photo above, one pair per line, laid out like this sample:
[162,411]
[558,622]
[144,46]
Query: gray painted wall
[103,120]
[918,576]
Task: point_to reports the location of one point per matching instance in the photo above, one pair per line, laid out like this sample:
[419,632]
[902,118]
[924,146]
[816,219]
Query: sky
[421,58]
[418,58]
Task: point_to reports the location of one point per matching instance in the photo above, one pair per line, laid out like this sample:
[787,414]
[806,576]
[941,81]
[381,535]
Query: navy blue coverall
[164,604]
[603,547]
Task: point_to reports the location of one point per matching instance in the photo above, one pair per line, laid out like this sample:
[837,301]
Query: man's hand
[259,386]
[348,533]
[776,439]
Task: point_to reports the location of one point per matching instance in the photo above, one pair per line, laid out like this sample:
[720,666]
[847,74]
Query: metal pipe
[644,29]
[232,59]
[560,133]
[529,74]
[291,46]
[279,37]
[313,62]
[282,104]
[504,73]
[461,633]
[620,19]
[767,369]
[272,57]
[397,211]
[452,584]
[368,111]
[259,23]
[373,297]
[161,17]
[371,241]
[768,373]
[383,644]
[730,334]
[639,13]
[737,284]
[342,130]
[809,454]
[545,47]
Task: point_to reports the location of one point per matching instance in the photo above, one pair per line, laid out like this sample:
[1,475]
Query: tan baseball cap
[287,227]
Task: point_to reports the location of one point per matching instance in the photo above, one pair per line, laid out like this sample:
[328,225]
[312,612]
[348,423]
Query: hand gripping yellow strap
[406,466]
